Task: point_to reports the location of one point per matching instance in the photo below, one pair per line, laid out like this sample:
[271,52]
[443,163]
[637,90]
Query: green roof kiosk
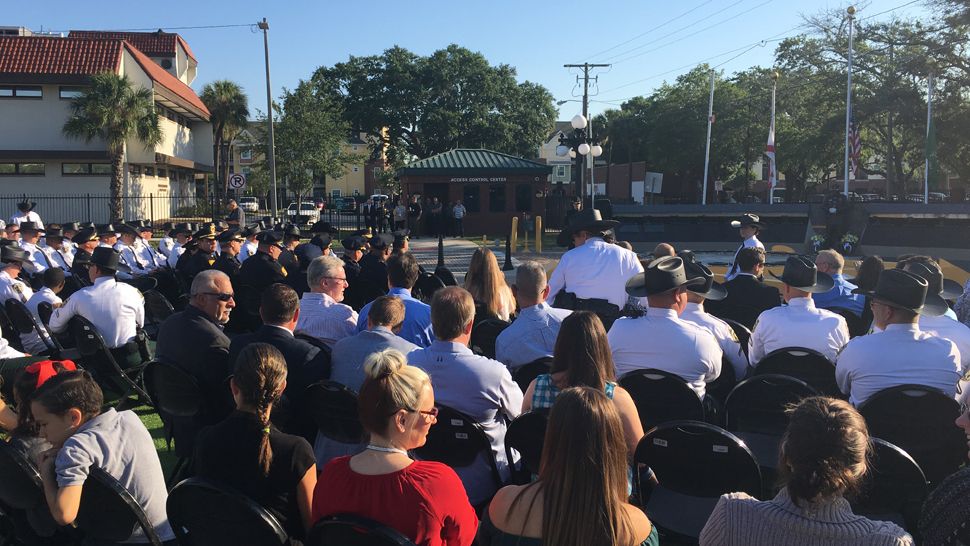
[493,186]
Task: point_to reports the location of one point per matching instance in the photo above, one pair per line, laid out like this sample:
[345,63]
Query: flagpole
[848,102]
[773,161]
[929,119]
[707,149]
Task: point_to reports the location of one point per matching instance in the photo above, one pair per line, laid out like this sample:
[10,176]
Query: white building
[562,173]
[39,75]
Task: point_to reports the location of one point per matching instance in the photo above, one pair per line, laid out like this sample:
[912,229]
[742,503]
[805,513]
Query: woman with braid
[247,453]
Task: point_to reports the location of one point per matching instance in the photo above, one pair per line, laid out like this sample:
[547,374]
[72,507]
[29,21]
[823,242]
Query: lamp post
[579,144]
[271,153]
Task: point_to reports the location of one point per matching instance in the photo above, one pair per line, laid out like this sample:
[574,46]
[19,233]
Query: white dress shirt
[663,341]
[247,249]
[596,269]
[531,336]
[116,309]
[173,255]
[955,331]
[325,319]
[165,245]
[22,217]
[13,288]
[37,257]
[130,258]
[44,294]
[147,255]
[726,338]
[899,355]
[798,324]
[750,242]
[62,258]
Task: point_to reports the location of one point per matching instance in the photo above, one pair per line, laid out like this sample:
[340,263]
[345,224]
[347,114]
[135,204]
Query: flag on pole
[770,152]
[855,149]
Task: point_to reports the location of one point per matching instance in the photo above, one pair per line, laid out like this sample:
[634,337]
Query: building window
[162,173]
[247,171]
[561,171]
[354,148]
[496,198]
[70,92]
[149,171]
[22,168]
[73,169]
[356,169]
[21,91]
[335,193]
[246,154]
[523,198]
[472,198]
[135,169]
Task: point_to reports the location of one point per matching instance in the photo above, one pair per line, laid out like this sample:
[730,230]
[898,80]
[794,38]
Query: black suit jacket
[305,364]
[192,341]
[747,298]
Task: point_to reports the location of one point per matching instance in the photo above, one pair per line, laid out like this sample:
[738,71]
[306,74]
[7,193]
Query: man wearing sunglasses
[194,341]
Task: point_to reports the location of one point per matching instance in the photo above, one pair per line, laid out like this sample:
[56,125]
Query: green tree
[112,110]
[229,110]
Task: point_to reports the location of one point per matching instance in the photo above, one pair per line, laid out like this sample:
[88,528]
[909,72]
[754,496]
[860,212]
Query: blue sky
[647,41]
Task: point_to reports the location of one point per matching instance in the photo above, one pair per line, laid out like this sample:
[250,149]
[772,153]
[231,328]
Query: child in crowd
[67,409]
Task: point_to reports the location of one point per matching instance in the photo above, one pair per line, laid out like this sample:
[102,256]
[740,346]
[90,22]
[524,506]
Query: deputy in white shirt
[13,259]
[594,269]
[933,318]
[749,226]
[901,354]
[128,255]
[694,312]
[25,213]
[660,339]
[800,323]
[147,255]
[57,250]
[321,314]
[117,310]
[30,241]
[182,234]
[250,245]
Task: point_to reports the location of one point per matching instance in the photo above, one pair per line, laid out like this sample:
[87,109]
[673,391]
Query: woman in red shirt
[423,500]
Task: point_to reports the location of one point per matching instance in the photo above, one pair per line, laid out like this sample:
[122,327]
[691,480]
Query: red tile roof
[170,82]
[51,55]
[153,44]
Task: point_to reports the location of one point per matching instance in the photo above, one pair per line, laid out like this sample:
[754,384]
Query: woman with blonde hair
[580,498]
[486,283]
[424,500]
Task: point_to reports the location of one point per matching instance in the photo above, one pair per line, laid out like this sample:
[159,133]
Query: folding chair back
[174,390]
[661,397]
[21,487]
[457,440]
[202,512]
[446,276]
[919,420]
[157,309]
[350,530]
[25,323]
[9,331]
[526,435]
[44,311]
[484,334]
[801,363]
[525,374]
[333,407]
[98,360]
[143,284]
[894,488]
[758,403]
[741,331]
[108,512]
[426,285]
[857,327]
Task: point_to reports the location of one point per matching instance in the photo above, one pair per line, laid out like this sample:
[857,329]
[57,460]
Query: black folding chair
[426,285]
[25,323]
[695,463]
[333,407]
[801,363]
[457,440]
[525,374]
[157,309]
[661,397]
[143,284]
[741,331]
[526,435]
[484,334]
[446,276]
[857,327]
[9,332]
[176,394]
[21,487]
[118,383]
[108,512]
[919,420]
[351,530]
[202,512]
[894,488]
[726,380]
[44,311]
[755,412]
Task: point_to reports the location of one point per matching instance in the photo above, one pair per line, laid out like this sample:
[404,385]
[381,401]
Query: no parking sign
[237,181]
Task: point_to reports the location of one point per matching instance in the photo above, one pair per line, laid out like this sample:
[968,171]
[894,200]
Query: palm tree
[112,110]
[229,112]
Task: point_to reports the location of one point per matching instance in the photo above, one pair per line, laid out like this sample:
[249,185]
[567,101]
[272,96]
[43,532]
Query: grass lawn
[153,423]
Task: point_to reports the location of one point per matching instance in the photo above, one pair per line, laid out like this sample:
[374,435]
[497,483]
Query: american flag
[855,149]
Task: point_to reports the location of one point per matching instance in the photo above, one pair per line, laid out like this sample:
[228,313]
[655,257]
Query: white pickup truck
[307,213]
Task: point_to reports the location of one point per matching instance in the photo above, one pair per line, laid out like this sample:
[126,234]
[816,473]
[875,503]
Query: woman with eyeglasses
[946,512]
[423,500]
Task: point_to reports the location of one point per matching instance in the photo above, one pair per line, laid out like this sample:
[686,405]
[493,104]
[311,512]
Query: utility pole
[848,102]
[580,185]
[264,26]
[707,148]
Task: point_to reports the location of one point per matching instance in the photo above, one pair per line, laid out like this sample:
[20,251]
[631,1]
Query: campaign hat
[899,288]
[801,273]
[695,269]
[661,275]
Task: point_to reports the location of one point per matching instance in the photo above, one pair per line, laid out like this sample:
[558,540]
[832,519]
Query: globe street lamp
[579,144]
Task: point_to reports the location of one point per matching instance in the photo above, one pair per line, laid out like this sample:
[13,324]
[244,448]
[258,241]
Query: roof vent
[166,63]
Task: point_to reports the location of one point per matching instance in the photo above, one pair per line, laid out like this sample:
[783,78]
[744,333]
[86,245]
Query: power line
[153,29]
[890,10]
[648,31]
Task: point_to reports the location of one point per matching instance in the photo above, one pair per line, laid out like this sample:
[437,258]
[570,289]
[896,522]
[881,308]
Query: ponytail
[260,373]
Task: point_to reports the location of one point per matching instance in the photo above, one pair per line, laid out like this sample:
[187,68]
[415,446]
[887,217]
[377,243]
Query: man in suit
[747,296]
[306,364]
[193,340]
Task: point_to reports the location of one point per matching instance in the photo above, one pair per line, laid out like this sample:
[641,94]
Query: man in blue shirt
[533,333]
[402,273]
[479,387]
[831,262]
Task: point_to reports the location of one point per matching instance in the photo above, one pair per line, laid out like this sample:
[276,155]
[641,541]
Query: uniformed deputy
[256,274]
[373,268]
[117,310]
[230,242]
[291,239]
[248,247]
[86,241]
[321,236]
[660,339]
[129,256]
[181,233]
[749,227]
[205,254]
[401,241]
[800,323]
[592,276]
[695,312]
[107,235]
[354,247]
[13,261]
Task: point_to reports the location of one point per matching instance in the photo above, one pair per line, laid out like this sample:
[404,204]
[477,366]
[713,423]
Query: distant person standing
[400,215]
[436,219]
[414,216]
[25,213]
[749,227]
[237,217]
[459,213]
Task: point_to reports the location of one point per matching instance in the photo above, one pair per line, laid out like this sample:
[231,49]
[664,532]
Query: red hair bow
[45,369]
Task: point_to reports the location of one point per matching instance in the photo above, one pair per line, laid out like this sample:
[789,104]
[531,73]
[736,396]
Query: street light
[579,144]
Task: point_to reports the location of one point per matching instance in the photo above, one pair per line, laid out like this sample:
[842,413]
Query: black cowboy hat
[934,304]
[87,225]
[801,273]
[13,254]
[26,205]
[270,238]
[84,235]
[323,226]
[168,226]
[354,242]
[748,219]
[307,253]
[180,228]
[108,258]
[138,224]
[696,270]
[589,220]
[71,226]
[899,288]
[54,231]
[250,230]
[229,235]
[661,275]
[106,229]
[130,230]
[31,226]
[290,231]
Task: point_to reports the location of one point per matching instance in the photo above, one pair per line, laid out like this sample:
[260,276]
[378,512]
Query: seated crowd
[407,361]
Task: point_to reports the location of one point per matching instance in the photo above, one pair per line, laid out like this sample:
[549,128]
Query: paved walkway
[458,254]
